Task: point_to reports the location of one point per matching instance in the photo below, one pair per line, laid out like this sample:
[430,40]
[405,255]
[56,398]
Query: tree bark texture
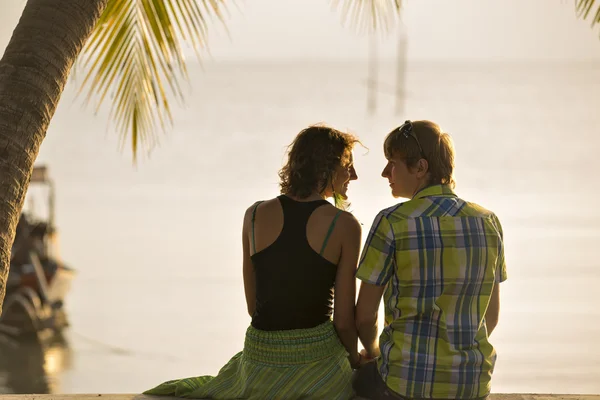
[33,73]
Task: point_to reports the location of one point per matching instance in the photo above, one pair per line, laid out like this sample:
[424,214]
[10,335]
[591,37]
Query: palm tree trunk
[33,73]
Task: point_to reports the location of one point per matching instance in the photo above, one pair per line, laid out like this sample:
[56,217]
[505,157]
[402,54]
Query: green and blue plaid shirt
[439,258]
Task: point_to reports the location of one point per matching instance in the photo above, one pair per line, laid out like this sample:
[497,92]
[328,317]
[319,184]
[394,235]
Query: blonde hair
[437,149]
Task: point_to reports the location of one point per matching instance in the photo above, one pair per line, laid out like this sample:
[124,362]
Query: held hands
[370,356]
[358,361]
[362,358]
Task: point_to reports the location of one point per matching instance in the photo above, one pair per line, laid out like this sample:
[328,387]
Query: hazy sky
[481,29]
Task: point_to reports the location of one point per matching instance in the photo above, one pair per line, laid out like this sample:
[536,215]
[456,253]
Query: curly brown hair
[312,159]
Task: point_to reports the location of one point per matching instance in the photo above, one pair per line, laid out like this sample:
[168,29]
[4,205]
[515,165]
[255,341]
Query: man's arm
[377,266]
[367,307]
[493,311]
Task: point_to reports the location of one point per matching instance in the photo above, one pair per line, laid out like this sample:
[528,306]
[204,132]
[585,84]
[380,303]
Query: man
[437,260]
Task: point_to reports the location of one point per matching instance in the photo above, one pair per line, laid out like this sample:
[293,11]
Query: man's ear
[422,168]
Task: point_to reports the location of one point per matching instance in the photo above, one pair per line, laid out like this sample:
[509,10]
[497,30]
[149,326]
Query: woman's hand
[369,357]
[356,361]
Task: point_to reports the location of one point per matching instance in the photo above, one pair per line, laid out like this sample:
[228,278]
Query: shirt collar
[435,190]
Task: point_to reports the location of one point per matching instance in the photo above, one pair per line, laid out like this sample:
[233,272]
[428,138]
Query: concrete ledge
[92,396]
[87,396]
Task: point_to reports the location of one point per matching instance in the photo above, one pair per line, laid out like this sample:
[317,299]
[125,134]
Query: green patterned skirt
[295,364]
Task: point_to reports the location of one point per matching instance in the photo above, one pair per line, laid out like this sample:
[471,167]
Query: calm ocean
[157,247]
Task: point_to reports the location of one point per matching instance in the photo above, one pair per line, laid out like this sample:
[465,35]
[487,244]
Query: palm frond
[135,54]
[369,15]
[587,8]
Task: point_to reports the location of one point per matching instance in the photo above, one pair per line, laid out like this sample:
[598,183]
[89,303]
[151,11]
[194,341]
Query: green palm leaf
[369,15]
[136,51]
[135,54]
[587,8]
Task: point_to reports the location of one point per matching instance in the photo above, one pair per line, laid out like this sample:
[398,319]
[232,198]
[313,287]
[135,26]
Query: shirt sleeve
[377,262]
[501,274]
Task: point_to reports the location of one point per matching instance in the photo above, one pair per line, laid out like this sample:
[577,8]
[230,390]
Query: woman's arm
[367,308]
[247,267]
[345,287]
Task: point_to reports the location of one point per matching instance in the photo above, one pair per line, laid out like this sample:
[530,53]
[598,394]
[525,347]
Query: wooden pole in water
[401,72]
[372,77]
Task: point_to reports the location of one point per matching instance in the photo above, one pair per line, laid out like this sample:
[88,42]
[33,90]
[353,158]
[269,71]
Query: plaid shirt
[439,257]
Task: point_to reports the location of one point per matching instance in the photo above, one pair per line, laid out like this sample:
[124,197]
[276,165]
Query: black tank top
[294,283]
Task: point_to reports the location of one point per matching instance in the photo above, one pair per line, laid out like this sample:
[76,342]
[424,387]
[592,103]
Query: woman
[298,250]
[437,260]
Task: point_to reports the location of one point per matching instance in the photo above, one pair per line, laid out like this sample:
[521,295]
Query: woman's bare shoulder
[262,205]
[346,220]
[349,222]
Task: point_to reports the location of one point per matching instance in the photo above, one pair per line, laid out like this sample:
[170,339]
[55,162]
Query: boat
[38,280]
